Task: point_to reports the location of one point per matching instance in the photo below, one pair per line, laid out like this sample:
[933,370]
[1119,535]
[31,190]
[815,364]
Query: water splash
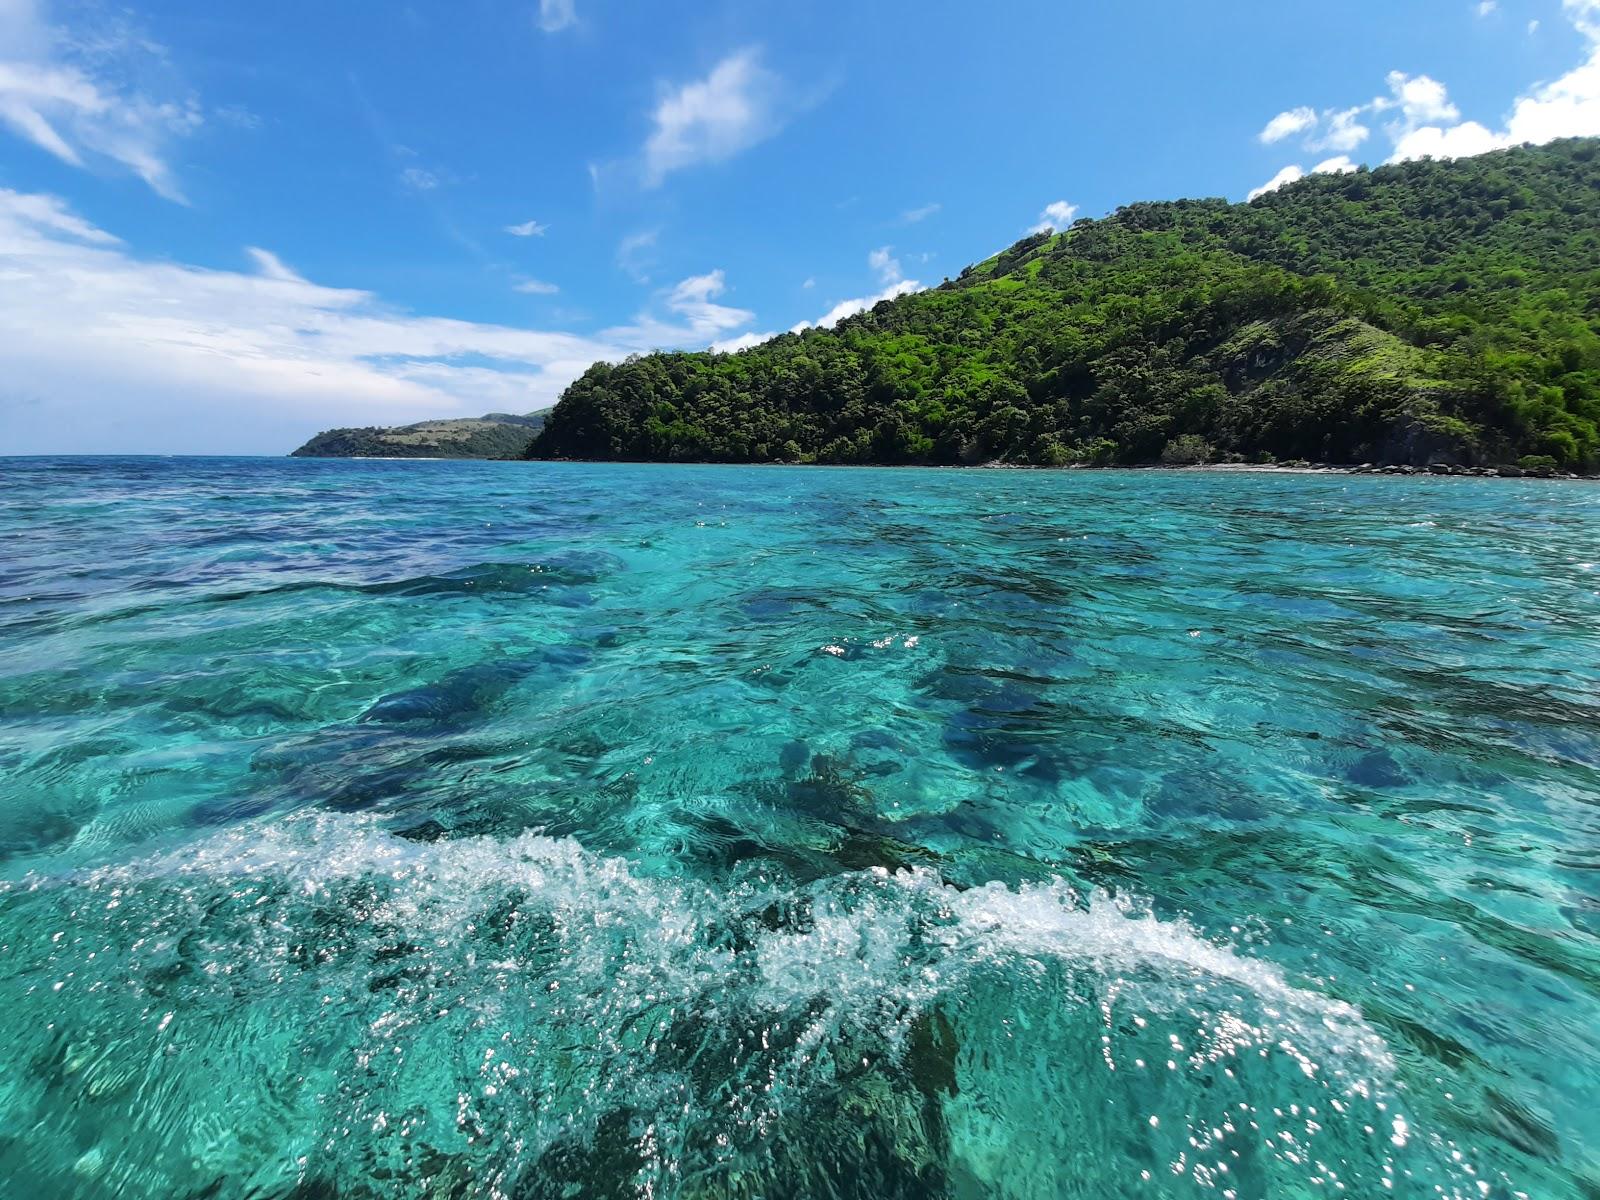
[316,999]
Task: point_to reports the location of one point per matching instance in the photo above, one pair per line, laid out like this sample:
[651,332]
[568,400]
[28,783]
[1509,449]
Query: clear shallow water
[432,829]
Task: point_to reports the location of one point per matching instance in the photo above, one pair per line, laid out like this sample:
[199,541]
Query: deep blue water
[403,829]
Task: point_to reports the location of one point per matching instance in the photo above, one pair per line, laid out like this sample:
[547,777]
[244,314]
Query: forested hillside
[497,435]
[1425,312]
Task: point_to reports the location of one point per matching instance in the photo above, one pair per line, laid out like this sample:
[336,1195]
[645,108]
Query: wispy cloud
[636,254]
[739,104]
[885,266]
[270,266]
[420,179]
[51,215]
[556,15]
[535,287]
[913,215]
[528,229]
[1287,124]
[74,97]
[695,316]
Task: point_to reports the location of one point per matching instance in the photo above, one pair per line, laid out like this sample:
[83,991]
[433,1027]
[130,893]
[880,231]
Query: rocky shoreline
[1501,472]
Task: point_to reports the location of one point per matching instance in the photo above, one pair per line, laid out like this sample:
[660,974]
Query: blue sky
[225,226]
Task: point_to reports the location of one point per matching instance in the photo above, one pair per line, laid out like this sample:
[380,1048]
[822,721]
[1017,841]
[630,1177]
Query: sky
[224,227]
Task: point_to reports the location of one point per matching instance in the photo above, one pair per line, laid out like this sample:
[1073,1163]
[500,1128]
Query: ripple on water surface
[426,829]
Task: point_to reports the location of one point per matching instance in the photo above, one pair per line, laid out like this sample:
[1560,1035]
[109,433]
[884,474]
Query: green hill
[1424,312]
[497,435]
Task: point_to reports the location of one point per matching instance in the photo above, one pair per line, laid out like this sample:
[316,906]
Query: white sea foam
[853,950]
[523,988]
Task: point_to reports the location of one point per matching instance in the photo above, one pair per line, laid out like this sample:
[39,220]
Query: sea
[378,829]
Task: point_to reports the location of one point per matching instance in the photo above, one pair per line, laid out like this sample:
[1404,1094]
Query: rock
[1509,472]
[1438,469]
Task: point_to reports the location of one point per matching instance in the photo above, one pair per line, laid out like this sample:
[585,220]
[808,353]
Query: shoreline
[1440,471]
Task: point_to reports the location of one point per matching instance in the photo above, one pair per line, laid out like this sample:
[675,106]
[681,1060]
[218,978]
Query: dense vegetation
[1431,311]
[497,435]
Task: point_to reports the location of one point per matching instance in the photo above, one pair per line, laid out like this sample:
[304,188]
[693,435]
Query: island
[1422,315]
[494,435]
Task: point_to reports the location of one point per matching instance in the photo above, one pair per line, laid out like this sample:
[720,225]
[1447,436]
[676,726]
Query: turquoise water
[379,829]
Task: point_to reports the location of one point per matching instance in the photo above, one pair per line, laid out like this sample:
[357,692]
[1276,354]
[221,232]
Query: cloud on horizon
[260,359]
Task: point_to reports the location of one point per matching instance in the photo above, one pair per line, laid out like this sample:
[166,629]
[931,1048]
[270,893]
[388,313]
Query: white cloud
[528,229]
[1458,141]
[849,308]
[912,215]
[1425,123]
[1420,99]
[693,299]
[743,342]
[1342,165]
[1533,26]
[50,213]
[270,266]
[1487,8]
[699,318]
[1057,215]
[108,351]
[1286,176]
[1340,129]
[535,287]
[1566,107]
[556,15]
[73,97]
[1287,124]
[885,265]
[714,118]
[1585,14]
[1343,131]
[809,283]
